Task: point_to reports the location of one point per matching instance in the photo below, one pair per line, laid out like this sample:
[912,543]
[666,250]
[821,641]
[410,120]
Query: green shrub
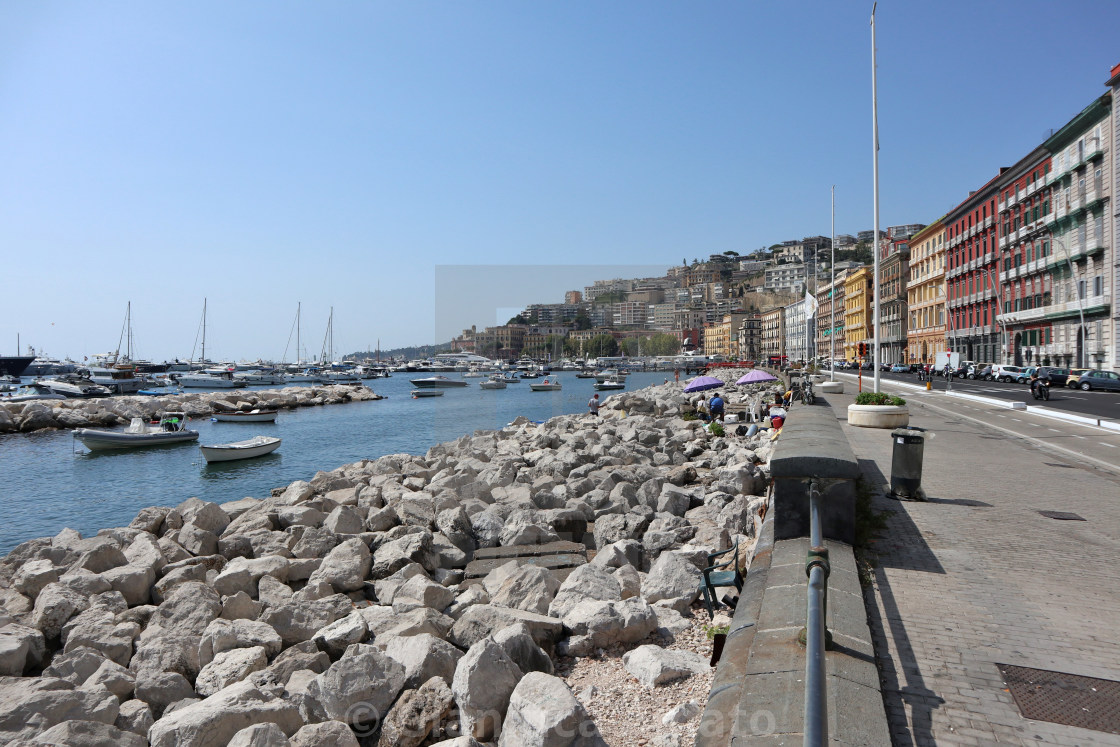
[689,416]
[879,398]
[716,429]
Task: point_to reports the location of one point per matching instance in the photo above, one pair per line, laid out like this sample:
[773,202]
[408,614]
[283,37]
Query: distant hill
[408,353]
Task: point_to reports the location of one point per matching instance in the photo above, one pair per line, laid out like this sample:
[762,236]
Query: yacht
[211,378]
[74,386]
[119,379]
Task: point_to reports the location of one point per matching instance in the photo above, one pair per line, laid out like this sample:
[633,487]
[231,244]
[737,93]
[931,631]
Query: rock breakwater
[108,412]
[365,606]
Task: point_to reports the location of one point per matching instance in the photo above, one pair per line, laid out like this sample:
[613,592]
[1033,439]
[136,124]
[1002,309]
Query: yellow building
[857,311]
[925,295]
[722,338]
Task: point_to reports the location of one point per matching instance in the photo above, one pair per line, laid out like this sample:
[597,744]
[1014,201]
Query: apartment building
[830,318]
[857,311]
[796,340]
[925,295]
[773,333]
[788,277]
[722,337]
[894,273]
[630,313]
[750,337]
[1080,183]
[972,253]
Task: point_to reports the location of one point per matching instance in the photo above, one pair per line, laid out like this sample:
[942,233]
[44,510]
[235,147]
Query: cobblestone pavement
[976,577]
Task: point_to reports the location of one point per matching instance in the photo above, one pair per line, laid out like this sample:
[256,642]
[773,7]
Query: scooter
[1041,390]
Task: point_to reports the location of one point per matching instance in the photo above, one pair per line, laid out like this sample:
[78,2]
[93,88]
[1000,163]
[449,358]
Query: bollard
[929,385]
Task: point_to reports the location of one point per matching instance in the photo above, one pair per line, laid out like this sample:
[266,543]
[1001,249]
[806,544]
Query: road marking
[1017,420]
[1055,430]
[1001,416]
[1111,446]
[1077,436]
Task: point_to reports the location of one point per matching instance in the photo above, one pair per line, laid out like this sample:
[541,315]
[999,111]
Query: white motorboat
[119,378]
[610,374]
[252,416]
[610,384]
[211,378]
[585,375]
[253,447]
[74,386]
[437,381]
[257,376]
[421,393]
[494,382]
[548,385]
[342,377]
[172,429]
[29,392]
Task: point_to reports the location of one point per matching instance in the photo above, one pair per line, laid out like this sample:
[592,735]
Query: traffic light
[863,350]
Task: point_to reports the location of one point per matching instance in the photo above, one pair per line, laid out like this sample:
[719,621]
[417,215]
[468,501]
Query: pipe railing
[817,568]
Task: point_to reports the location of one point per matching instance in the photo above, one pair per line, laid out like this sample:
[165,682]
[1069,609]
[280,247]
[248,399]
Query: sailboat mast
[299,305]
[204,330]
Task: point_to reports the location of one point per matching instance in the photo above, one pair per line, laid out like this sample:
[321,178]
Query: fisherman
[593,405]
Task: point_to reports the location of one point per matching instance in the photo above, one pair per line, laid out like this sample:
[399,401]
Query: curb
[1046,412]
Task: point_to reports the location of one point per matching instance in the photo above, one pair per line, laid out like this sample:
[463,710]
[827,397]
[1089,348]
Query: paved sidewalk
[976,577]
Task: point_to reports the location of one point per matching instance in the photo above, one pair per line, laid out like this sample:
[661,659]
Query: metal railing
[816,634]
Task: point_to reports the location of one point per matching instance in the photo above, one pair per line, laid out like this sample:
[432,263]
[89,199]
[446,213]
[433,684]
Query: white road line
[1017,420]
[1111,446]
[1054,429]
[1077,436]
[1001,416]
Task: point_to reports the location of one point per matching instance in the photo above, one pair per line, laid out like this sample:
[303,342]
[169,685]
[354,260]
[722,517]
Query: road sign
[949,357]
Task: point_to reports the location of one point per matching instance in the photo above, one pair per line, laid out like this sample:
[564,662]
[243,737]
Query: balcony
[1002,206]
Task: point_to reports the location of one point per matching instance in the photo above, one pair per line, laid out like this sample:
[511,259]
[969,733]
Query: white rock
[55,604]
[214,721]
[358,689]
[653,665]
[336,637]
[674,579]
[543,712]
[33,575]
[345,567]
[423,656]
[325,734]
[81,733]
[29,705]
[426,591]
[260,735]
[530,588]
[587,582]
[682,713]
[597,624]
[229,667]
[484,681]
[225,635]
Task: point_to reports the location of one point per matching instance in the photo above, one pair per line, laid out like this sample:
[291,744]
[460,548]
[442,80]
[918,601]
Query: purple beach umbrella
[702,383]
[756,377]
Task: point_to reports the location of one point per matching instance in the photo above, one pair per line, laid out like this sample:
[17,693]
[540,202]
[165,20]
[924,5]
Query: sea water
[50,481]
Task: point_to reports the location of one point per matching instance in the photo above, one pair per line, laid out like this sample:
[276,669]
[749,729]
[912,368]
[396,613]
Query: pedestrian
[676,374]
[701,408]
[593,405]
[715,407]
[777,413]
[788,399]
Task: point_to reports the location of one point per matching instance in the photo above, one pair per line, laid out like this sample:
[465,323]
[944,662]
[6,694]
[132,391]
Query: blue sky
[262,154]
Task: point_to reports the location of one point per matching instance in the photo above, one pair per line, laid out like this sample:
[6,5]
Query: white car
[1007,374]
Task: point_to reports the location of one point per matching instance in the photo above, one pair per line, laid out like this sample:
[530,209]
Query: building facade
[857,311]
[750,337]
[894,274]
[788,277]
[972,253]
[1080,308]
[793,320]
[830,318]
[925,295]
[773,333]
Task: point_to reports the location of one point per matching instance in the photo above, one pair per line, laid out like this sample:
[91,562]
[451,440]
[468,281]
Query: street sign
[949,357]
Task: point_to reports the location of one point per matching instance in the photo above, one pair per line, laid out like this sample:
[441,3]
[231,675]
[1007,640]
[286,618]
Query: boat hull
[437,383]
[421,393]
[266,416]
[99,440]
[254,447]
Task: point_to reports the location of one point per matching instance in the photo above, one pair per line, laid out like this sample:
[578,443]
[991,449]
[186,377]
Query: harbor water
[52,482]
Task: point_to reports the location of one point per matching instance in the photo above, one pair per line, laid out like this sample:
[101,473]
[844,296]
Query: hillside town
[1021,272]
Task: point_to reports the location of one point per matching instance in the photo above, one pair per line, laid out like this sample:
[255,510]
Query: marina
[63,484]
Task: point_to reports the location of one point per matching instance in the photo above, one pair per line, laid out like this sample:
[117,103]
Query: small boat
[172,429]
[29,392]
[252,416]
[609,374]
[437,381]
[212,378]
[548,385]
[585,375]
[74,386]
[162,391]
[253,447]
[511,379]
[610,384]
[494,382]
[418,393]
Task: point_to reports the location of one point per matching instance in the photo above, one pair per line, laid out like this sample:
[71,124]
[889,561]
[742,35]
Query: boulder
[673,579]
[653,665]
[54,606]
[134,582]
[543,712]
[415,714]
[31,705]
[358,689]
[89,734]
[325,734]
[260,735]
[423,657]
[229,667]
[21,647]
[336,637]
[426,592]
[522,528]
[520,646]
[161,689]
[345,567]
[136,717]
[345,520]
[225,635]
[114,678]
[585,582]
[482,620]
[298,621]
[529,587]
[33,575]
[484,680]
[213,722]
[599,624]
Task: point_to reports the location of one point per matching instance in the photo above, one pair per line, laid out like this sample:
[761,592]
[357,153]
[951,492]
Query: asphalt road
[1095,404]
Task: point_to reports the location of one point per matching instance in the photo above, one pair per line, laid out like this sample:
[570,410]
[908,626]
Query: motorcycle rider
[1036,384]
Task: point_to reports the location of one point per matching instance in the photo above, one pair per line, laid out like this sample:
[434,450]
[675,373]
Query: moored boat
[29,392]
[610,384]
[74,387]
[421,393]
[252,416]
[548,385]
[494,382]
[437,381]
[253,447]
[172,429]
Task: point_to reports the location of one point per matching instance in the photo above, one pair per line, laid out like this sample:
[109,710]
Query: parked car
[1074,376]
[1006,374]
[1056,376]
[981,372]
[1106,380]
[900,368]
[1025,375]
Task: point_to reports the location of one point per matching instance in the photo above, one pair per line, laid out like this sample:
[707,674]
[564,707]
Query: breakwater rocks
[395,601]
[112,411]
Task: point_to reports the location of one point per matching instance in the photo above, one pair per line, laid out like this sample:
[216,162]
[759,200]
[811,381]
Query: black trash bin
[906,463]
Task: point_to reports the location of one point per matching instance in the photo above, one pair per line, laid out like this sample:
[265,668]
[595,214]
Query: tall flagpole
[875,160]
[832,297]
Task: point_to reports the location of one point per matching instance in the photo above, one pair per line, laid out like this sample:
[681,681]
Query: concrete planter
[878,416]
[831,387]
